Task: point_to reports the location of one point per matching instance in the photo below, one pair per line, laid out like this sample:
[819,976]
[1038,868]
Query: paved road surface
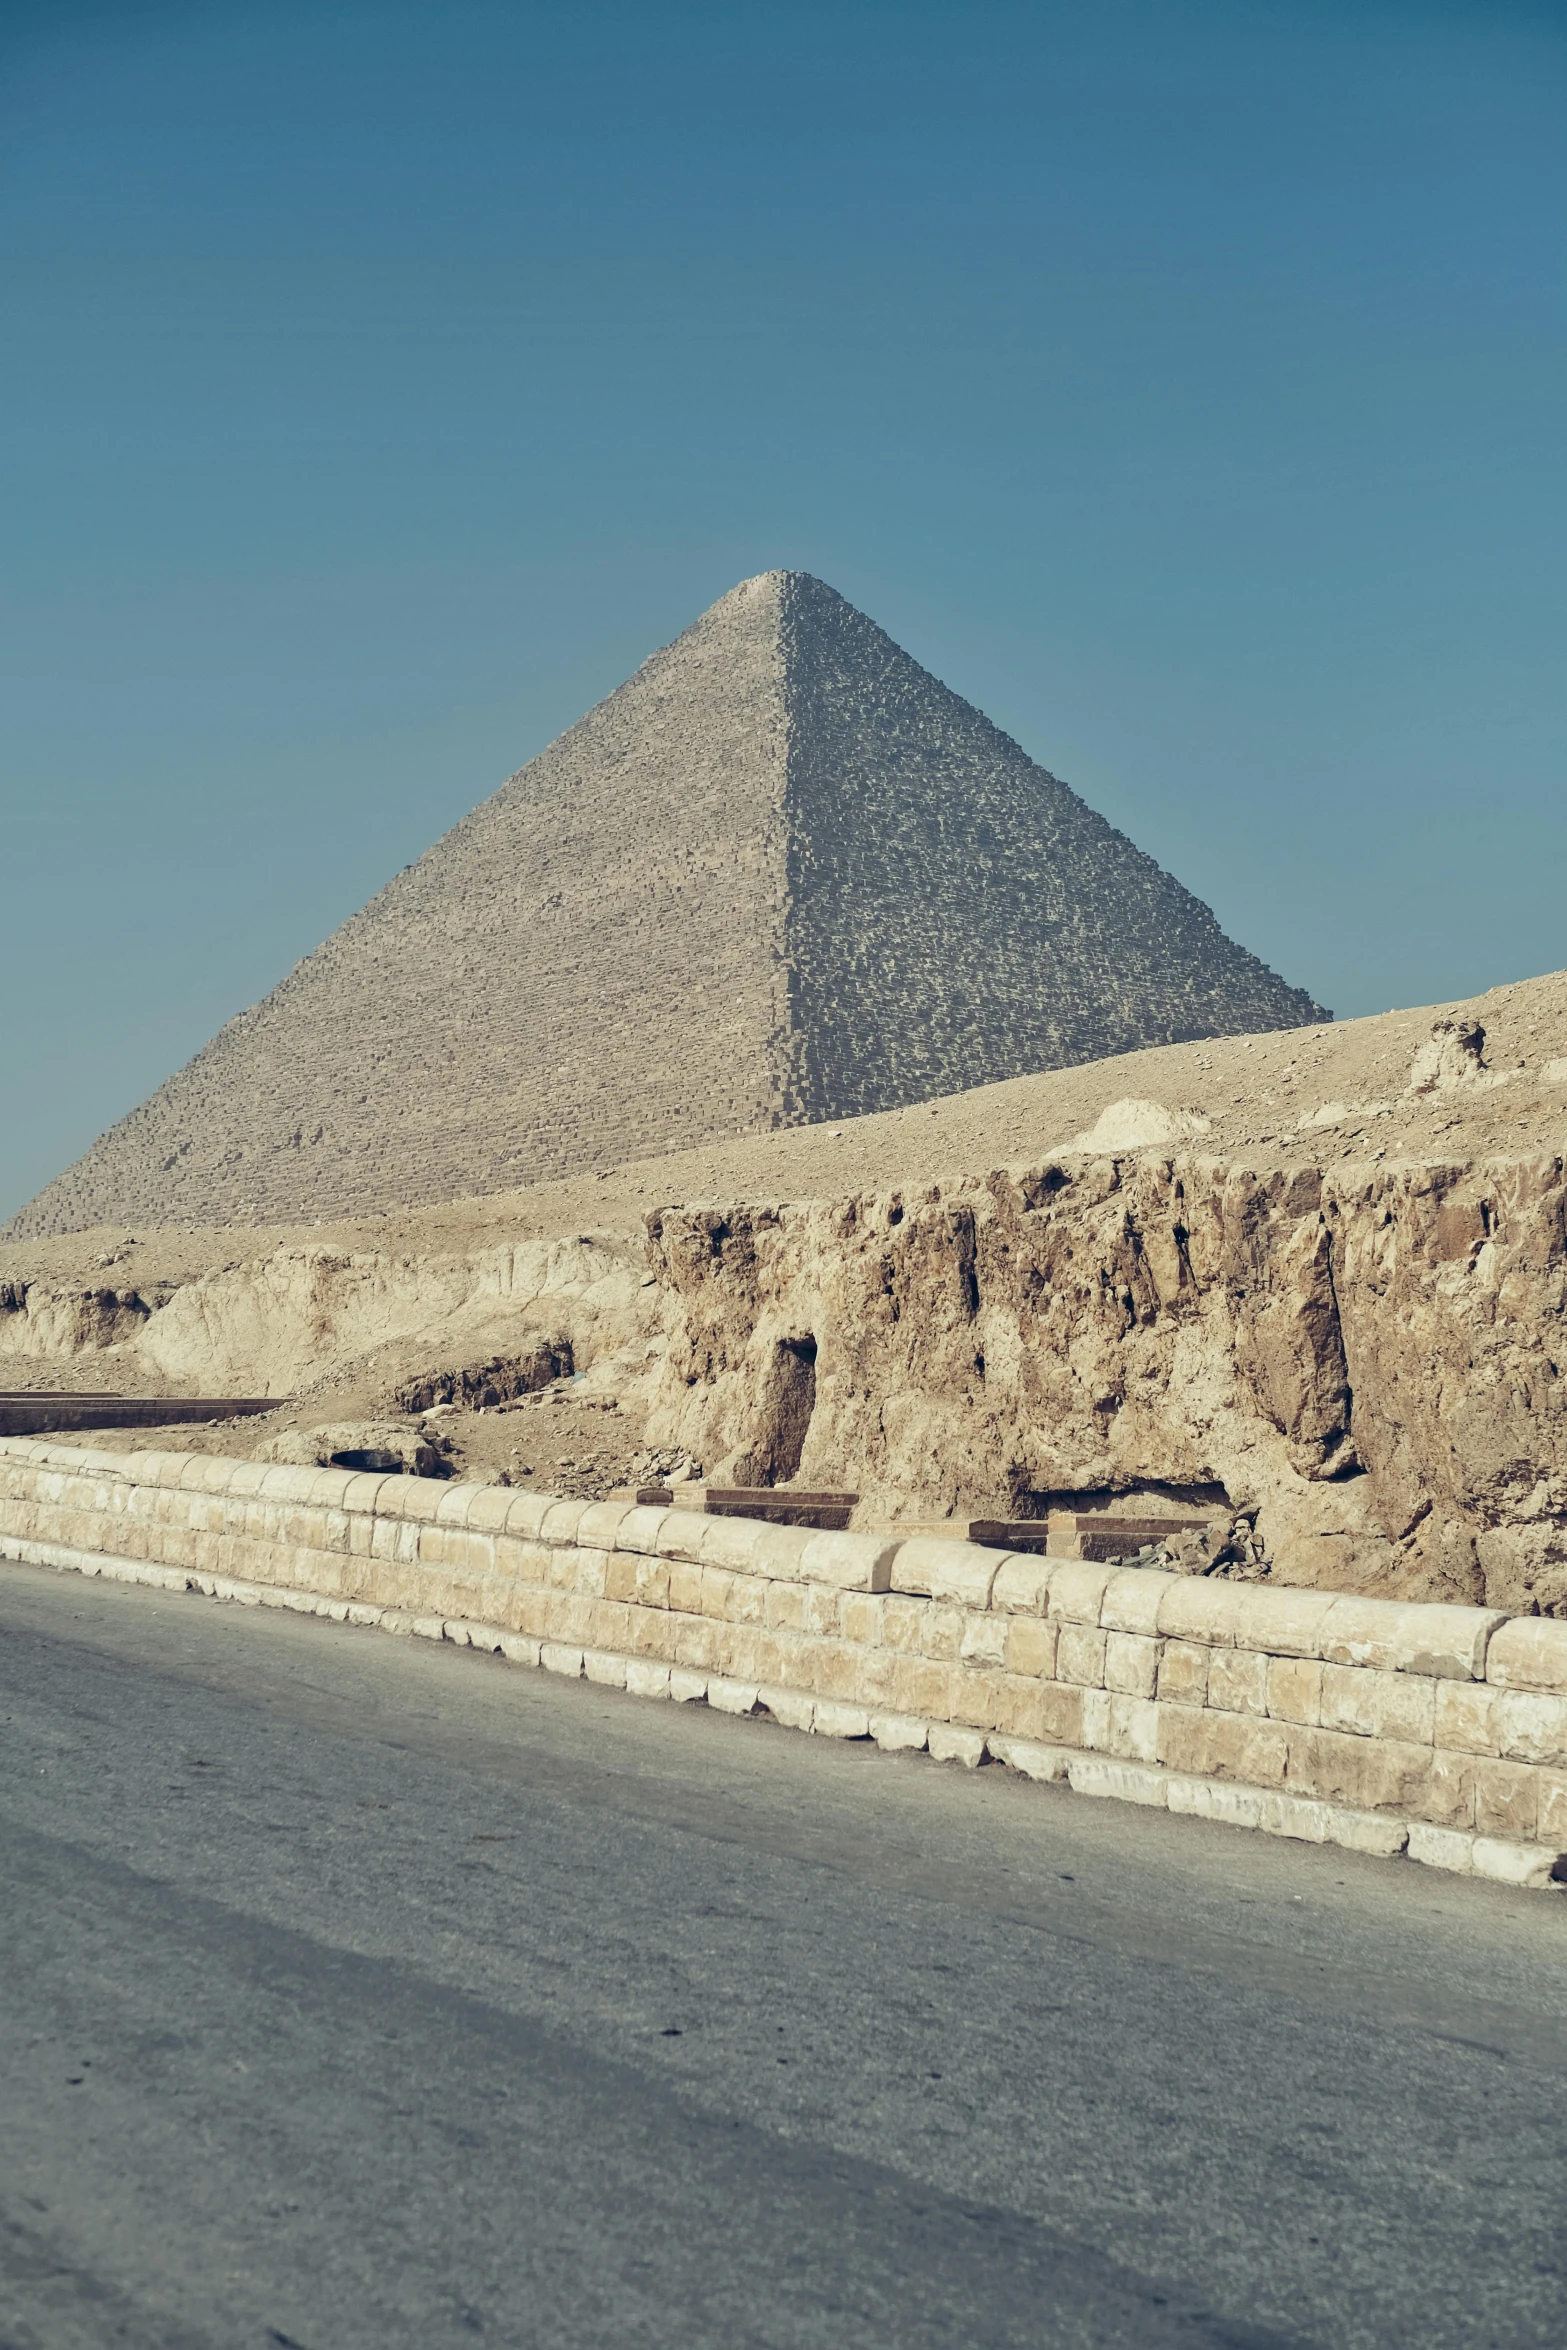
[360,1994]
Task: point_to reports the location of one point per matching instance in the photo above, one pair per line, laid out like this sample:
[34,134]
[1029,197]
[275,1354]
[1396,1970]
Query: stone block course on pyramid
[781,875]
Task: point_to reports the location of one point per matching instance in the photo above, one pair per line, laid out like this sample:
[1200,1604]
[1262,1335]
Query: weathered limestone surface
[1438,1731]
[782,875]
[1370,1360]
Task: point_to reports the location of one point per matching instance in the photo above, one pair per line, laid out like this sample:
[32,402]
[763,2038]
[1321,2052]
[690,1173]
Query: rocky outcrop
[1368,1360]
[61,1318]
[274,1324]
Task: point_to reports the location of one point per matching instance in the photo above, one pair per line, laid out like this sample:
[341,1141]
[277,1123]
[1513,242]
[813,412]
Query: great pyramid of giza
[781,875]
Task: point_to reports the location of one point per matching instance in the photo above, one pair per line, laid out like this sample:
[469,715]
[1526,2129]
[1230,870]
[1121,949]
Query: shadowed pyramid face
[781,875]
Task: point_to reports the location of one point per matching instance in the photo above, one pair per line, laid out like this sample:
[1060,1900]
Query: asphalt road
[357,1993]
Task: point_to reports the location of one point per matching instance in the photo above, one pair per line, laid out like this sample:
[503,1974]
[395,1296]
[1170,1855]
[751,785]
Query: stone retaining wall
[1436,1732]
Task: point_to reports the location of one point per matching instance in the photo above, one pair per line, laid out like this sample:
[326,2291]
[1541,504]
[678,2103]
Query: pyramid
[781,875]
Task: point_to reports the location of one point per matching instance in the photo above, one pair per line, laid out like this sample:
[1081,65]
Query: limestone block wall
[1432,1731]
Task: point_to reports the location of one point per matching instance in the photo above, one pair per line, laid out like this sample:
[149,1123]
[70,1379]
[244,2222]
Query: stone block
[715,1591]
[1028,1756]
[1031,1646]
[732,1697]
[941,1632]
[679,1537]
[961,1572]
[1441,1848]
[685,1587]
[519,1649]
[1530,1652]
[1132,1599]
[1022,1584]
[920,1685]
[281,1482]
[1183,1672]
[1080,1654]
[452,1508]
[561,1521]
[599,1526]
[1215,1799]
[1552,1829]
[526,1514]
[748,1598]
[984,1640]
[1507,1800]
[1294,1689]
[1379,1834]
[1462,1716]
[686,1688]
[794,1708]
[898,1733]
[833,1720]
[523,1562]
[949,1742]
[1076,1589]
[974,1695]
[489,1507]
[1060,1714]
[785,1606]
[610,1627]
[1222,1746]
[1374,1704]
[1127,1782]
[654,1634]
[823,1609]
[1449,1800]
[851,1562]
[638,1529]
[646,1679]
[568,1619]
[1027,1708]
[1368,1774]
[775,1655]
[833,1668]
[1195,1609]
[860,1618]
[1131,1663]
[743,1652]
[697,1644]
[902,1622]
[604,1667]
[1513,1864]
[246,1478]
[416,1500]
[620,1576]
[878,1678]
[733,1543]
[1126,1726]
[1238,1681]
[1530,1726]
[1397,1636]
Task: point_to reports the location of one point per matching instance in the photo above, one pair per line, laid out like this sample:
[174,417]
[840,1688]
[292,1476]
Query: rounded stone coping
[1438,1640]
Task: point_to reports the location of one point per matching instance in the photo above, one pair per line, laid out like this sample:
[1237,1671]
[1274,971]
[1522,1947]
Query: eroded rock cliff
[1367,1359]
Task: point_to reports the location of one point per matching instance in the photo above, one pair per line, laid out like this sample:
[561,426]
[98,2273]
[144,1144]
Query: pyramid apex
[777,581]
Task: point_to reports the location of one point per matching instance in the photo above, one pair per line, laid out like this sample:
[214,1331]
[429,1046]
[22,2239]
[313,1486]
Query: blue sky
[1183,381]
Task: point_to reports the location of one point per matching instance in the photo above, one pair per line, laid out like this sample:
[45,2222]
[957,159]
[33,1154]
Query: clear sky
[1184,381]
